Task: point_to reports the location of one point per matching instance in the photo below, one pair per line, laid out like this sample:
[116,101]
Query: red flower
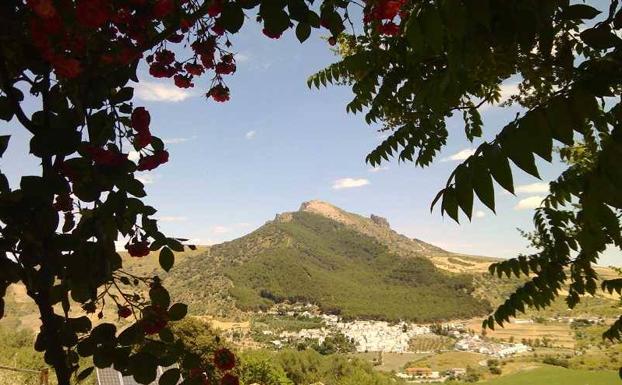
[165,57]
[219,93]
[207,60]
[229,379]
[104,157]
[175,38]
[390,9]
[224,359]
[138,249]
[194,69]
[223,68]
[215,8]
[153,326]
[163,8]
[183,81]
[185,25]
[43,8]
[332,40]
[140,119]
[271,35]
[92,13]
[66,67]
[154,320]
[389,28]
[142,139]
[124,311]
[218,30]
[152,161]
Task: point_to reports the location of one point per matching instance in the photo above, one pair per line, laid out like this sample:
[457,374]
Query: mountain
[343,262]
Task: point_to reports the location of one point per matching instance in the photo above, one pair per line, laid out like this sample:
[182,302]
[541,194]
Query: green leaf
[170,377]
[177,311]
[6,111]
[522,158]
[450,203]
[599,38]
[123,95]
[580,11]
[232,17]
[482,183]
[4,143]
[560,121]
[167,258]
[85,373]
[536,127]
[464,189]
[166,335]
[143,367]
[432,28]
[499,167]
[159,296]
[303,31]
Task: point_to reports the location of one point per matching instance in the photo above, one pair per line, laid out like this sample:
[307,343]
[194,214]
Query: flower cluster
[382,14]
[224,360]
[137,248]
[154,320]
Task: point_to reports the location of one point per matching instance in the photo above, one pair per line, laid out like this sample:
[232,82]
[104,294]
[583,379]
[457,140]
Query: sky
[277,143]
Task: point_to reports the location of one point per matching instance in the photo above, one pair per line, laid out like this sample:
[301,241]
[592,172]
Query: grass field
[558,376]
[448,360]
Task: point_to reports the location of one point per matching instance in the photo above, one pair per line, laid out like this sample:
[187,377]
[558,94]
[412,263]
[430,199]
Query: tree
[75,61]
[425,61]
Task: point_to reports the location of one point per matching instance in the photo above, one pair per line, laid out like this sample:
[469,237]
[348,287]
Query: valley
[338,284]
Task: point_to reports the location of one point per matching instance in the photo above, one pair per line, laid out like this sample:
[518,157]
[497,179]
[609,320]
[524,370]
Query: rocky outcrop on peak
[380,221]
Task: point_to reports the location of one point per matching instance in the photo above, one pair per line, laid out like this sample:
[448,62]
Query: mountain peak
[327,210]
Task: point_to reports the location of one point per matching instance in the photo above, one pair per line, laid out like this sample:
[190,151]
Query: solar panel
[109,376]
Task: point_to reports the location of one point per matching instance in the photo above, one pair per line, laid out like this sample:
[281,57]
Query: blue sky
[277,143]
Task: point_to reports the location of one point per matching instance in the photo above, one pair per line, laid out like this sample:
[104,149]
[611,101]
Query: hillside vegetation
[309,257]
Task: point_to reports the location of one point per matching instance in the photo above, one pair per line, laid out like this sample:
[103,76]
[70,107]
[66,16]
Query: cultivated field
[559,334]
[448,360]
[390,361]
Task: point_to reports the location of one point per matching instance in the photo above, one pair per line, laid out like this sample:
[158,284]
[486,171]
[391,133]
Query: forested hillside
[336,263]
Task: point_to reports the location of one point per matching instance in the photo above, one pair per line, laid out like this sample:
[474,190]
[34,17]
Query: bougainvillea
[77,59]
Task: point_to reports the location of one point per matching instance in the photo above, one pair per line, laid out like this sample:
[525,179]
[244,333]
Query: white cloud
[349,183]
[160,92]
[146,178]
[219,229]
[378,169]
[177,140]
[241,58]
[250,135]
[480,214]
[507,90]
[531,202]
[533,188]
[172,219]
[460,155]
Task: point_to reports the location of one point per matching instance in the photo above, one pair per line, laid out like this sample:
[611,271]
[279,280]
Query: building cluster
[474,343]
[425,375]
[367,336]
[382,336]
